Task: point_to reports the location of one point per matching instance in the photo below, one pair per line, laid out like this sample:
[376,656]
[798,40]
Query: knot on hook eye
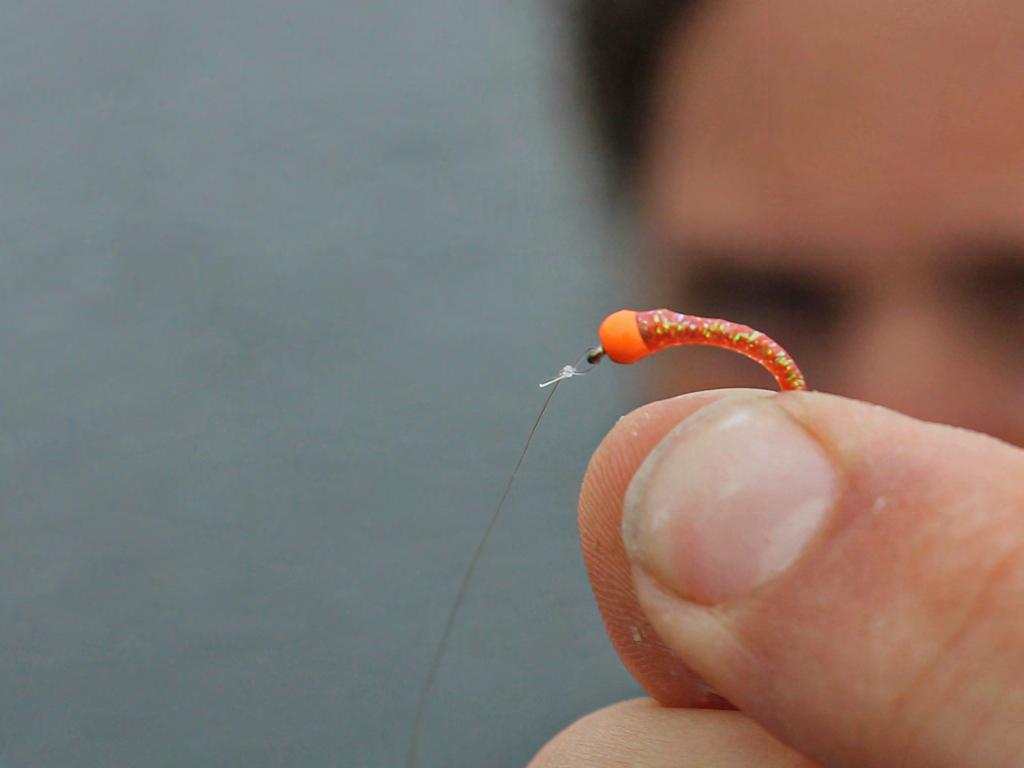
[593,356]
[567,372]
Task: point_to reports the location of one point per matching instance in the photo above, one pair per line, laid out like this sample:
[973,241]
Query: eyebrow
[997,251]
[744,252]
[753,265]
[997,269]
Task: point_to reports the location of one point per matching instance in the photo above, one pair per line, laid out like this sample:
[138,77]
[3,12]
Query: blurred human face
[848,176]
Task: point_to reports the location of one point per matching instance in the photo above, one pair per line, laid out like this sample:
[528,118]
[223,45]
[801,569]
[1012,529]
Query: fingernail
[727,500]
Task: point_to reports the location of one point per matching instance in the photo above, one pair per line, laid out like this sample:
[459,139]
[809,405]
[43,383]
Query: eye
[991,288]
[1000,287]
[782,299]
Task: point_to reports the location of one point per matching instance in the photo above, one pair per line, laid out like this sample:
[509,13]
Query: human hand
[851,579]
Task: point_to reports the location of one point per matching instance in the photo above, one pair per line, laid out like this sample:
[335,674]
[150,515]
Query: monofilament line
[421,704]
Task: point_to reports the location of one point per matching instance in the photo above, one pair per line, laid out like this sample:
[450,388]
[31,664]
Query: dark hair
[618,44]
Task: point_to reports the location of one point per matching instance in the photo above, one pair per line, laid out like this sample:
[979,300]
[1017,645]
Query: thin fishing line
[421,704]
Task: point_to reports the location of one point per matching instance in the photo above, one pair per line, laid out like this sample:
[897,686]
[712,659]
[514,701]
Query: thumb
[849,577]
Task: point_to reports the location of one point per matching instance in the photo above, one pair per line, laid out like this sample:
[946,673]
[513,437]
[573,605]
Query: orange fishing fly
[628,336]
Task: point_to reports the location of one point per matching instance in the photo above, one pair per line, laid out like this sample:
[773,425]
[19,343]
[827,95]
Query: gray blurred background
[278,283]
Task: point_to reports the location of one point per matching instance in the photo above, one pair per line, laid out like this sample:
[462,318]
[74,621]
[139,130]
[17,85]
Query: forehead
[822,122]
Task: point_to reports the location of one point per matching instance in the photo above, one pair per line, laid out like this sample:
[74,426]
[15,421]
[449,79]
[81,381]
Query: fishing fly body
[628,336]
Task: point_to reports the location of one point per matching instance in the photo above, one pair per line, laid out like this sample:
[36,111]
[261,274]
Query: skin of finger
[642,733]
[897,638]
[661,673]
